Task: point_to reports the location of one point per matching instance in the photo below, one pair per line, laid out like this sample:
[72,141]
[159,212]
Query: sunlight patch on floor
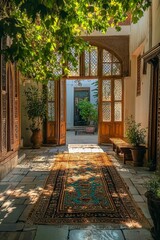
[84,148]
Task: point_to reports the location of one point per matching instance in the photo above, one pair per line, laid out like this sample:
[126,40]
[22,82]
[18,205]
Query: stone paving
[20,189]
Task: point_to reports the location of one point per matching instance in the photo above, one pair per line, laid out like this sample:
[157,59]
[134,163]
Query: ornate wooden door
[62,112]
[56,120]
[110,109]
[3,107]
[9,108]
[51,133]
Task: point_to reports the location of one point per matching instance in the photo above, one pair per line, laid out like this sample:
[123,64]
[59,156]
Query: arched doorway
[106,67]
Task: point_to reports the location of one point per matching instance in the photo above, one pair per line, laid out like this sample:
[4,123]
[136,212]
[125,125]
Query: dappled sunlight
[86,188]
[83,185]
[10,199]
[84,148]
[132,224]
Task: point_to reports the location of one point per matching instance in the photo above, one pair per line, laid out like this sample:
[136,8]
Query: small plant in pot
[153,201]
[36,111]
[89,113]
[136,137]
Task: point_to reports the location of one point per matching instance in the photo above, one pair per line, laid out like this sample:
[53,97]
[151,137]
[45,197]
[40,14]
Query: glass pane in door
[106,111]
[106,90]
[117,111]
[118,90]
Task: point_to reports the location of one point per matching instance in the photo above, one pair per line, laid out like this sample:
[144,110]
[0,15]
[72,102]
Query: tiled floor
[20,189]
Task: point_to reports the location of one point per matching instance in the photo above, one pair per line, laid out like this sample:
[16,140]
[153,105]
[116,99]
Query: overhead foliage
[43,32]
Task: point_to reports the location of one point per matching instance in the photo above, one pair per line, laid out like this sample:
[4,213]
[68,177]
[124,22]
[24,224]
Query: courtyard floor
[20,189]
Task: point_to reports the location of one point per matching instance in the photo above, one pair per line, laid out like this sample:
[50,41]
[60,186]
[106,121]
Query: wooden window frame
[138,93]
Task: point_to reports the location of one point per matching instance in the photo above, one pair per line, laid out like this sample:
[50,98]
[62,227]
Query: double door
[110,107]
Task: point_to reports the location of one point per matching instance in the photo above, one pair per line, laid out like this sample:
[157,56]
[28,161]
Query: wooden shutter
[4,103]
[9,108]
[16,108]
[10,119]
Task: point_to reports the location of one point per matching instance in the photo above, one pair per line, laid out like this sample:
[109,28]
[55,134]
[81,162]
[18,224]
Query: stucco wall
[155,22]
[138,106]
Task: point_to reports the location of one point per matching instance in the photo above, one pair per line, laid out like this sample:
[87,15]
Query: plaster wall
[138,106]
[125,30]
[155,22]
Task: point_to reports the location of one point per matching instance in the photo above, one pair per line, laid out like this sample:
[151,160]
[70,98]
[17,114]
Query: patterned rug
[85,188]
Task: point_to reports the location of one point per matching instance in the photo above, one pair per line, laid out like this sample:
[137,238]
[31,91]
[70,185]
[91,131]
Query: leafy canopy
[44,32]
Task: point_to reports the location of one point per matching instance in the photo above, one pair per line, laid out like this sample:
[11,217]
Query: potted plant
[136,137]
[153,201]
[36,111]
[89,113]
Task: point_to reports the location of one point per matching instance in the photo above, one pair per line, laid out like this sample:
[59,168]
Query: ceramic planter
[138,153]
[36,138]
[154,209]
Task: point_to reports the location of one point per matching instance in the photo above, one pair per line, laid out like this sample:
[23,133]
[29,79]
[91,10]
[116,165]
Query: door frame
[153,58]
[106,129]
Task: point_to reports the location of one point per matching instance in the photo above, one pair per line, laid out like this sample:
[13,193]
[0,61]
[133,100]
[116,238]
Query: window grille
[139,75]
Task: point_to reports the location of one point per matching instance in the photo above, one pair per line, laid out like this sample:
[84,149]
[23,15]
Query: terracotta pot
[90,129]
[138,155]
[154,209]
[36,138]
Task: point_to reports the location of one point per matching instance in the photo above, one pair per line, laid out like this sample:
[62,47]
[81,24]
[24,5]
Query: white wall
[70,85]
[138,106]
[155,22]
[125,30]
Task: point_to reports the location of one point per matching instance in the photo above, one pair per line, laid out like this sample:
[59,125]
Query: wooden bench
[79,130]
[121,146]
[84,130]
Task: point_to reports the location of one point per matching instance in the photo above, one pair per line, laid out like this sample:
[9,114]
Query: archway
[106,67]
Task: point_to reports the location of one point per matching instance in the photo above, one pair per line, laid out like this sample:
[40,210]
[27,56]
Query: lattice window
[3,66]
[91,62]
[118,89]
[51,101]
[118,100]
[139,75]
[3,122]
[62,100]
[106,90]
[16,129]
[106,111]
[117,111]
[57,70]
[110,64]
[74,68]
[106,100]
[11,81]
[16,107]
[112,97]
